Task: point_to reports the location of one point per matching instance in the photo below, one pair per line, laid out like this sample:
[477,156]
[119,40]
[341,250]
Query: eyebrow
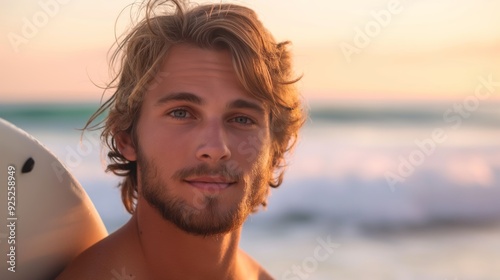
[181,96]
[244,104]
[192,98]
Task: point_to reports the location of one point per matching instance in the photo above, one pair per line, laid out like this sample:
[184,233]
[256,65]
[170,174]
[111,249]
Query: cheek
[160,141]
[252,151]
[264,158]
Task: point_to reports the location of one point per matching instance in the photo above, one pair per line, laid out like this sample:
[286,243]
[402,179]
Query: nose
[213,144]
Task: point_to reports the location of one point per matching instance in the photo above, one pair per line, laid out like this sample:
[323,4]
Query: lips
[210,183]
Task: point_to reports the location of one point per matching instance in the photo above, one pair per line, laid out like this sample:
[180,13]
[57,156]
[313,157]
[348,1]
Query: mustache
[204,169]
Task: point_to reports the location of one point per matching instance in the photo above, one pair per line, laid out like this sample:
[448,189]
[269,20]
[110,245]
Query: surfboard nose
[50,219]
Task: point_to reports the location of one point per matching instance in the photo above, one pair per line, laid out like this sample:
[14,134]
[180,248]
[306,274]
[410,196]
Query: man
[204,111]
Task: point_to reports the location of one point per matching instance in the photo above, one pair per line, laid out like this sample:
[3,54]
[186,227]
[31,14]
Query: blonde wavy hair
[263,66]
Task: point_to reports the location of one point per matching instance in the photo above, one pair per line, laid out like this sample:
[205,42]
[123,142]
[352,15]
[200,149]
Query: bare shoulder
[89,264]
[254,269]
[113,257]
[264,275]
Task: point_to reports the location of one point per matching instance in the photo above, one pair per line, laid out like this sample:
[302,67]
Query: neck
[169,250]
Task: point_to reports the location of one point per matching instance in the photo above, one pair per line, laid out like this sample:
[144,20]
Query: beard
[206,215]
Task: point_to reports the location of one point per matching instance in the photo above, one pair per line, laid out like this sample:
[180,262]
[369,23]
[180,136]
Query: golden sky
[372,49]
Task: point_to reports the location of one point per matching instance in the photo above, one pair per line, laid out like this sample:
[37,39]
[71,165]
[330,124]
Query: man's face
[204,144]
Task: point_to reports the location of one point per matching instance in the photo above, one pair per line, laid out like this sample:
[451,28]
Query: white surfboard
[46,218]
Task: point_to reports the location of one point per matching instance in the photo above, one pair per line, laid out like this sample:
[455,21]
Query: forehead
[188,63]
[207,73]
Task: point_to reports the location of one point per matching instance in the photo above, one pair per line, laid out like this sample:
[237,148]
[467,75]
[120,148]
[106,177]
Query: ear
[126,145]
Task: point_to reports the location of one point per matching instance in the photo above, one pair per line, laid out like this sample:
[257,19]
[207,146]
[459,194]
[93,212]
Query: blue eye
[243,120]
[179,114]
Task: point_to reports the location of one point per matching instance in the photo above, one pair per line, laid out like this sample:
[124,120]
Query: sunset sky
[427,49]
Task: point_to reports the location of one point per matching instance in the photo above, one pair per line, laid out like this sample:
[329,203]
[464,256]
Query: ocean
[373,191]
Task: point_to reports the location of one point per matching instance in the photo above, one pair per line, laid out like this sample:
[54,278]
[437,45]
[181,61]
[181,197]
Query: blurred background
[397,168]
